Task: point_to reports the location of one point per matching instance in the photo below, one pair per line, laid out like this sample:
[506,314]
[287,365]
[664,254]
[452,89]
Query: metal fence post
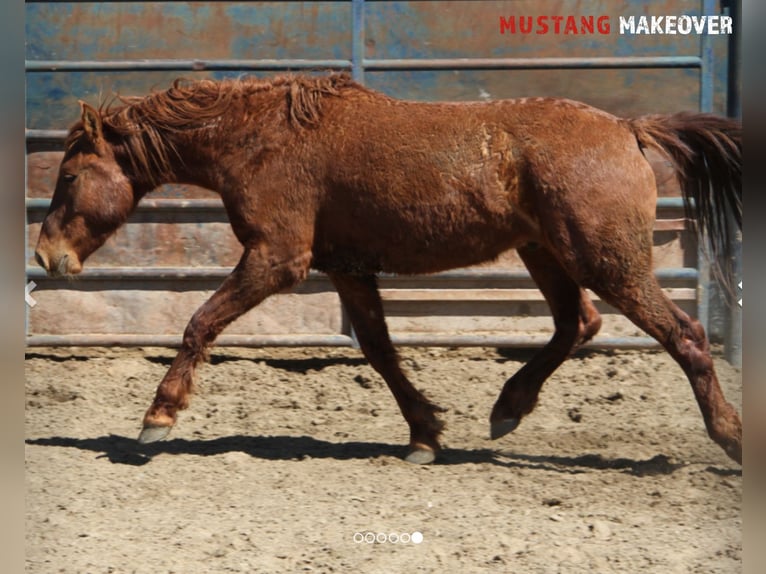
[705,287]
[733,319]
[357,46]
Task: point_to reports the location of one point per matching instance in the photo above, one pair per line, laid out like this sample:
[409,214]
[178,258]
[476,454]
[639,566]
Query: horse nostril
[40,261]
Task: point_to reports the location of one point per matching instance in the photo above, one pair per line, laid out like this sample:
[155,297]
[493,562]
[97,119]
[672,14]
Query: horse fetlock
[160,416]
[423,420]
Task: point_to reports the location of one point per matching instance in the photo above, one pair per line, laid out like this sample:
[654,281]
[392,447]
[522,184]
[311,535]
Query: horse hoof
[421,456]
[502,427]
[735,452]
[153,434]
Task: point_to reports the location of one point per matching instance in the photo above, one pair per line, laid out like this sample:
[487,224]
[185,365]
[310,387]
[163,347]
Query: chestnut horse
[323,173]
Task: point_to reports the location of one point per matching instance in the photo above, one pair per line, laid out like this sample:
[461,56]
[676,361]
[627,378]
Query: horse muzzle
[57,265]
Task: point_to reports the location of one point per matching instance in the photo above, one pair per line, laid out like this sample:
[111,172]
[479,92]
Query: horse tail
[706,153]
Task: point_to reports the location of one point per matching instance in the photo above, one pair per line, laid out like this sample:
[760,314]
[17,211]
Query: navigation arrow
[27,294]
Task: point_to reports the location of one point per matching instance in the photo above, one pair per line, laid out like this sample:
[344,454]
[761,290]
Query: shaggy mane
[142,124]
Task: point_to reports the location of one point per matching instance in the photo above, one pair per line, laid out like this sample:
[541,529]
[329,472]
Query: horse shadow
[124,450]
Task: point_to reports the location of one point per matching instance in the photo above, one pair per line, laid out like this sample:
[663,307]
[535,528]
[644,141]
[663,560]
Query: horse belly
[414,239]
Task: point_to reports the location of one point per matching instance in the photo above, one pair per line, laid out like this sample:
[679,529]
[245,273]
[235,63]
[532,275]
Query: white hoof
[153,434]
[421,456]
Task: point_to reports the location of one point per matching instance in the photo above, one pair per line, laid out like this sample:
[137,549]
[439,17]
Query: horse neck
[208,156]
[168,157]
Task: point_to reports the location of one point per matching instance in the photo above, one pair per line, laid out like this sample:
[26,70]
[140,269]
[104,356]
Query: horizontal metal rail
[46,135]
[186,1]
[37,204]
[609,62]
[159,204]
[405,340]
[196,273]
[170,204]
[372,65]
[182,65]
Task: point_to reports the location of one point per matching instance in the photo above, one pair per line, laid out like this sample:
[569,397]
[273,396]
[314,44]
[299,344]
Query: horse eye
[69,177]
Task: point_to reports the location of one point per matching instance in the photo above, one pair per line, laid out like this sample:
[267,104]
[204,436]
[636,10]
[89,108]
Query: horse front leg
[361,298]
[258,274]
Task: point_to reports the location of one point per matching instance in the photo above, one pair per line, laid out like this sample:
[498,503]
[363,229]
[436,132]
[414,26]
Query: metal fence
[682,282]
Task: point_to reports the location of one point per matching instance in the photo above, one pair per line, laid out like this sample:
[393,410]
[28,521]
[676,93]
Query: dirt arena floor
[289,460]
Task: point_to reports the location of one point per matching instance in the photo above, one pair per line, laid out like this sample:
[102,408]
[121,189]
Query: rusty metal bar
[705,285]
[417,64]
[357,40]
[187,1]
[359,64]
[734,61]
[183,65]
[707,59]
[418,340]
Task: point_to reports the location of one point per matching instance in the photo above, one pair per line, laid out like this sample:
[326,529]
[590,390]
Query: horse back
[420,187]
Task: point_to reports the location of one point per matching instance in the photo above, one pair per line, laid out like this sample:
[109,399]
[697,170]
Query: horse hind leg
[617,265]
[576,321]
[643,302]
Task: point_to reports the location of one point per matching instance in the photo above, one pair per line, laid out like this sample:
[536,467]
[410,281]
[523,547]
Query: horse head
[93,197]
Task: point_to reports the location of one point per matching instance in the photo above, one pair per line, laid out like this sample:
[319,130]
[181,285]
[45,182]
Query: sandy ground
[288,457]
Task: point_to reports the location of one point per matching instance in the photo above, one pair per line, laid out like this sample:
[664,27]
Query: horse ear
[91,122]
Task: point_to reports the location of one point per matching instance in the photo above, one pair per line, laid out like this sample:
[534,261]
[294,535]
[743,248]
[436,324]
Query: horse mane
[144,125]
